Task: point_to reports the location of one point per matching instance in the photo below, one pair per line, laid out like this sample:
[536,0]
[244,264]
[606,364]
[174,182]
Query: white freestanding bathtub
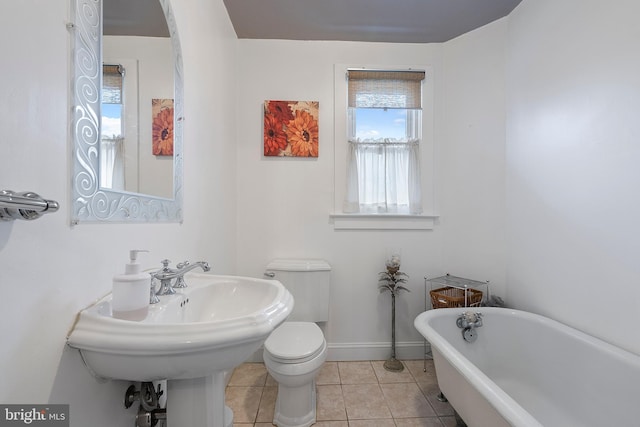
[526,370]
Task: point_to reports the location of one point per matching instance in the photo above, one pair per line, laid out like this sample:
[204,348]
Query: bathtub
[528,370]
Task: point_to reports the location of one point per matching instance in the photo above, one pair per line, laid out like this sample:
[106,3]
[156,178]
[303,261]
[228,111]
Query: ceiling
[133,18]
[394,21]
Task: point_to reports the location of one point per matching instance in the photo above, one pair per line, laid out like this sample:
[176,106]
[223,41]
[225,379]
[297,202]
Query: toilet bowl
[293,355]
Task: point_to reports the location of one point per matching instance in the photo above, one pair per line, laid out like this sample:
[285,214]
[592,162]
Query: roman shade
[385,89]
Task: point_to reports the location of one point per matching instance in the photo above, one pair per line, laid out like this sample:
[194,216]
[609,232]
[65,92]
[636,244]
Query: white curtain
[415,189]
[383,177]
[352,198]
[112,163]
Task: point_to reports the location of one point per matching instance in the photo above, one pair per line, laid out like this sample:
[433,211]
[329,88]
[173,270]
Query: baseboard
[405,350]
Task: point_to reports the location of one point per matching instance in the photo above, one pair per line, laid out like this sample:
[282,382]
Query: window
[384,131]
[112,133]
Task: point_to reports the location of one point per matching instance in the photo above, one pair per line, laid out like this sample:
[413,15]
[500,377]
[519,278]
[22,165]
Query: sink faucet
[166,275]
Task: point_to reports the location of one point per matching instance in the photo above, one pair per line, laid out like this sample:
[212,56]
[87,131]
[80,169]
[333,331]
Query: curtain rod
[376,143]
[384,70]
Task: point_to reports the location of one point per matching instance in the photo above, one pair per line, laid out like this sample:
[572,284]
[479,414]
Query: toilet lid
[294,341]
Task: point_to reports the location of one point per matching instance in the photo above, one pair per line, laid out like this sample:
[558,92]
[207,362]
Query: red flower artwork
[302,134]
[280,110]
[275,139]
[291,128]
[162,131]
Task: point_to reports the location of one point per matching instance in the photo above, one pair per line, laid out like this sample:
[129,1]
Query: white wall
[471,156]
[284,204]
[573,97]
[50,270]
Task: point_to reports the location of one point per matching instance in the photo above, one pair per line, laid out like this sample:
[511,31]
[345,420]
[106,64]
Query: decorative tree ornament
[393,280]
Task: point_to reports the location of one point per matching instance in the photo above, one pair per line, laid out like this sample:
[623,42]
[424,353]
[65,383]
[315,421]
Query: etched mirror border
[90,203]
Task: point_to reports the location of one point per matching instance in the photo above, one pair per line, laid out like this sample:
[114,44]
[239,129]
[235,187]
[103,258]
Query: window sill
[342,221]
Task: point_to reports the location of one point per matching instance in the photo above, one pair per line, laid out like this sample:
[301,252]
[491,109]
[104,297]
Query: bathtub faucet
[469,320]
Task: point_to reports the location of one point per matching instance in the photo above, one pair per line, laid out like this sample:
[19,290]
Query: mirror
[136,128]
[127,110]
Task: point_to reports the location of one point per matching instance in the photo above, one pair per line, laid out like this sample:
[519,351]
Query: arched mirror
[127,112]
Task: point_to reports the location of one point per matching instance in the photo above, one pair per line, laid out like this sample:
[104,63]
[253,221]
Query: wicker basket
[448,297]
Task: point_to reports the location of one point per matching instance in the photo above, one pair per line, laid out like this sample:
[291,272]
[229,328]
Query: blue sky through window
[373,124]
[111,120]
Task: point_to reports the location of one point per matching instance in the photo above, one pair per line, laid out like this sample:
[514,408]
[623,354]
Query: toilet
[295,351]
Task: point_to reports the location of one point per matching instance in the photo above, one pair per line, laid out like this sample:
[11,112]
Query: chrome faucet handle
[185,267]
[180,283]
[478,320]
[165,280]
[471,316]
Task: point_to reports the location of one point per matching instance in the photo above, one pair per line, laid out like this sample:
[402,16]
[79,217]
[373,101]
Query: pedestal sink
[189,339]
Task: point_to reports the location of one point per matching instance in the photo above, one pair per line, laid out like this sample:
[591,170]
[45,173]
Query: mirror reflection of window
[112,134]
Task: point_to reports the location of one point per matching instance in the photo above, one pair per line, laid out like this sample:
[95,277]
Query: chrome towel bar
[25,205]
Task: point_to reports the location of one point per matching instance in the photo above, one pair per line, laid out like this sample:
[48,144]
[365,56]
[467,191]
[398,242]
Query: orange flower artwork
[162,122]
[291,128]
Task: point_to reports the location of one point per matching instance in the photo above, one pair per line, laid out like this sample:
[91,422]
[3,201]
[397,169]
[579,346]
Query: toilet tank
[308,280]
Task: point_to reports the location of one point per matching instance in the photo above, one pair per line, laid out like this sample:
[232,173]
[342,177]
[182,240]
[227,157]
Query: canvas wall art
[162,122]
[291,128]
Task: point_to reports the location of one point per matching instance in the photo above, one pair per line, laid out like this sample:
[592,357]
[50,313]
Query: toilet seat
[295,342]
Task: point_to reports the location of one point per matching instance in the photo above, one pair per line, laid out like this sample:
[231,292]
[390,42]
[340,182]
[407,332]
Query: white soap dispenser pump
[130,296]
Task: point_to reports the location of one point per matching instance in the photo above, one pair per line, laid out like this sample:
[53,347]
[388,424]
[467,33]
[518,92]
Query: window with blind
[112,127]
[112,100]
[384,128]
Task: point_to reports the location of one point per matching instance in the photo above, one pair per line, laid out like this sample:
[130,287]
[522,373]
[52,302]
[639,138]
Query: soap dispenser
[130,296]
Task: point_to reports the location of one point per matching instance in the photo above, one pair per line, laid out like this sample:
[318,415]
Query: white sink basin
[213,325]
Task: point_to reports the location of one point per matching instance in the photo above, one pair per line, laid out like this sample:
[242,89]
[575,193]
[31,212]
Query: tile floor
[350,394]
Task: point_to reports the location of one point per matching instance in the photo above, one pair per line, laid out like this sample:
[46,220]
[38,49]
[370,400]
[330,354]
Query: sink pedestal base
[198,402]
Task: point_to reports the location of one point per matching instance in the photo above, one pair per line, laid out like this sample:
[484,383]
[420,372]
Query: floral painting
[162,122]
[291,128]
